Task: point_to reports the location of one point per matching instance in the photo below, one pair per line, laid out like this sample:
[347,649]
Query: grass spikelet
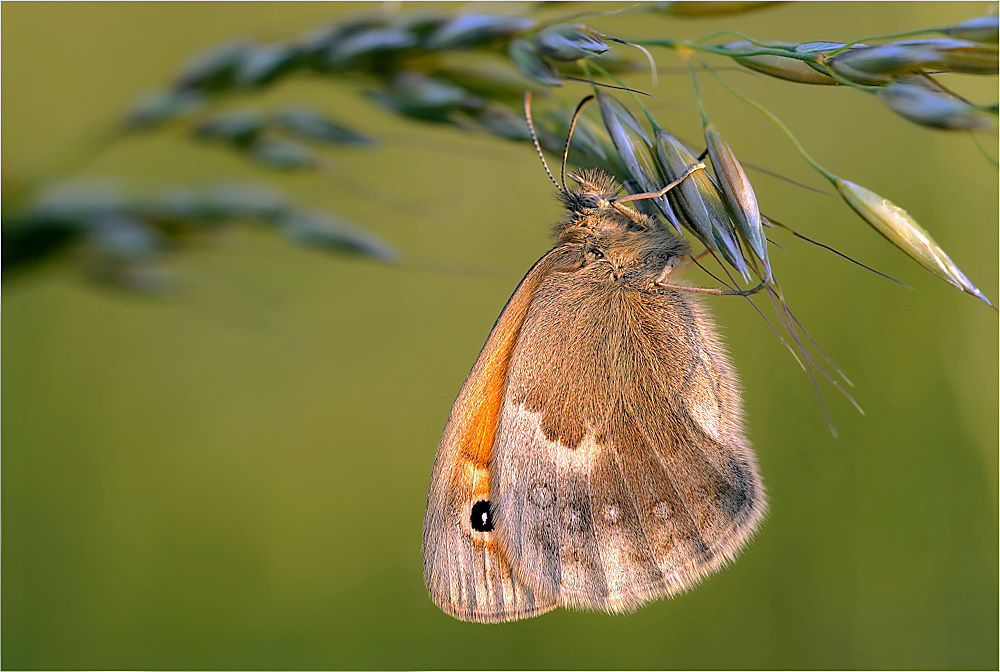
[903,231]
[566,42]
[699,201]
[471,30]
[635,150]
[738,194]
[789,69]
[980,29]
[528,59]
[932,108]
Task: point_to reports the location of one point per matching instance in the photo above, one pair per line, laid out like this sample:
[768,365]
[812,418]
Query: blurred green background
[236,478]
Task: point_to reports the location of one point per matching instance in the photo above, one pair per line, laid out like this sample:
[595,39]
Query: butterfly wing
[465,568]
[620,472]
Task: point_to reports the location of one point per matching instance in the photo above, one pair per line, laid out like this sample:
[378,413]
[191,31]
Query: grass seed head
[632,143]
[738,194]
[160,107]
[788,69]
[216,69]
[698,201]
[932,108]
[980,29]
[528,59]
[821,51]
[473,30]
[314,126]
[266,64]
[283,154]
[240,128]
[566,42]
[949,55]
[318,230]
[903,231]
[368,44]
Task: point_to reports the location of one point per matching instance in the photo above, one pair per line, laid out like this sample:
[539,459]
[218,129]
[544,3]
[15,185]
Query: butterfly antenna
[534,139]
[569,136]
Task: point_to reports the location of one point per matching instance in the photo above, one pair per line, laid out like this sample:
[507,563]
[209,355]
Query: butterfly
[595,457]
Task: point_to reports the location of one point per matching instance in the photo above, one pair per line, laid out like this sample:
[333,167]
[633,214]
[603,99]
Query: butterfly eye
[482,517]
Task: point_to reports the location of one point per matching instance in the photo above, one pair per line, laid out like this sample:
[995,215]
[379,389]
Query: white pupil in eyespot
[481,519]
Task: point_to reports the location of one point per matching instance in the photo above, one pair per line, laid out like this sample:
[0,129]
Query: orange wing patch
[466,570]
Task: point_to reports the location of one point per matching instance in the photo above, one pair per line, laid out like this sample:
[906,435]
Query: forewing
[620,470]
[466,570]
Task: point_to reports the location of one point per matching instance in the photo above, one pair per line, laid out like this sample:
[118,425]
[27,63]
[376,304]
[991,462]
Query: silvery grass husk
[904,232]
[932,108]
[126,240]
[789,69]
[949,55]
[259,136]
[738,195]
[157,107]
[632,143]
[215,69]
[472,30]
[349,51]
[980,29]
[283,154]
[966,57]
[821,48]
[820,51]
[267,64]
[485,76]
[424,98]
[874,65]
[526,55]
[432,68]
[312,125]
[239,128]
[248,132]
[565,42]
[319,230]
[698,201]
[500,121]
[123,236]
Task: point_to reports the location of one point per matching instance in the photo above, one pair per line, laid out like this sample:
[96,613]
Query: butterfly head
[610,239]
[596,191]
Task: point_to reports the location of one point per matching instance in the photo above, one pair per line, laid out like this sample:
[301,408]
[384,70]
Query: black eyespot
[482,517]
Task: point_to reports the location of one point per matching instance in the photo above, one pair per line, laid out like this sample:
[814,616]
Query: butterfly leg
[661,279]
[661,282]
